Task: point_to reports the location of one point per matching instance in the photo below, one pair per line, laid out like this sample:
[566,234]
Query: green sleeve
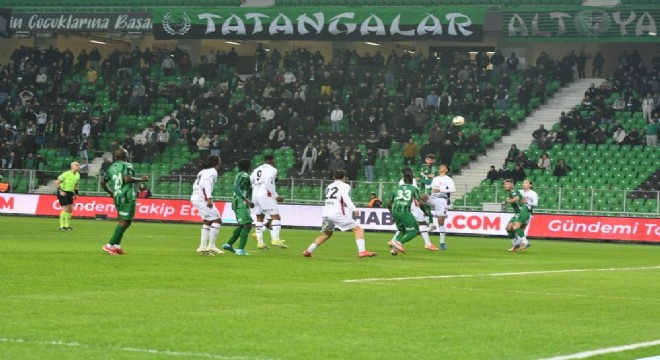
[237,190]
[61,177]
[426,181]
[107,176]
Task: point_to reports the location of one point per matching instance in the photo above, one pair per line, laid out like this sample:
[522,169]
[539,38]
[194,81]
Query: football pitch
[61,297]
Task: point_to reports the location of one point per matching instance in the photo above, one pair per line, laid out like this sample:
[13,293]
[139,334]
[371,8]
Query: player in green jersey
[241,205]
[400,205]
[67,192]
[427,172]
[118,183]
[515,229]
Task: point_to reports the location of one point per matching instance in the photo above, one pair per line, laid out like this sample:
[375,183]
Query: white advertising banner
[18,203]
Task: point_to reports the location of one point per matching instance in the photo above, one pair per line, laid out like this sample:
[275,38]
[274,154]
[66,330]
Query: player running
[118,183]
[400,205]
[441,188]
[241,205]
[337,214]
[420,211]
[202,200]
[67,192]
[266,199]
[531,200]
[515,227]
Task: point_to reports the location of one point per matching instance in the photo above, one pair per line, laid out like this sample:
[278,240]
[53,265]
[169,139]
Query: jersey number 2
[332,193]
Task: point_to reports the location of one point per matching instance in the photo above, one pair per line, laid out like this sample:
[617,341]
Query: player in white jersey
[420,216]
[531,200]
[202,200]
[441,188]
[337,214]
[266,199]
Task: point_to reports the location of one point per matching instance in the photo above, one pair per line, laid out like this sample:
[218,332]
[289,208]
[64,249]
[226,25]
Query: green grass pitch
[63,298]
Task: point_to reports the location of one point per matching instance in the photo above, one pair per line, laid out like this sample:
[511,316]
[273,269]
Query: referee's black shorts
[66,199]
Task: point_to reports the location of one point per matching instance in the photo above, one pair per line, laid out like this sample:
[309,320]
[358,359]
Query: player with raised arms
[337,215]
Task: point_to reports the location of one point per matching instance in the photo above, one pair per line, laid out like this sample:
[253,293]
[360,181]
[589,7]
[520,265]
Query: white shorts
[206,213]
[418,214]
[439,205]
[341,222]
[265,205]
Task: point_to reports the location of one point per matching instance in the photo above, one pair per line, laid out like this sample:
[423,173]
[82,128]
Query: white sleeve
[208,184]
[451,186]
[346,196]
[269,183]
[533,199]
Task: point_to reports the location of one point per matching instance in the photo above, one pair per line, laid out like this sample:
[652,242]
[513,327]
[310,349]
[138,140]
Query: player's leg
[229,245]
[441,228]
[204,239]
[244,237]
[359,241]
[275,224]
[318,242]
[395,244]
[420,217]
[126,213]
[213,235]
[259,225]
[511,233]
[411,228]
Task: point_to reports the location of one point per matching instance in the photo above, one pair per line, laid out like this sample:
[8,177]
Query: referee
[67,191]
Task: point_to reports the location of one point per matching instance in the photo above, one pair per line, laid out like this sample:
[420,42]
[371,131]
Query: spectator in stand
[544,162]
[92,76]
[410,151]
[633,137]
[561,169]
[168,65]
[370,166]
[652,132]
[581,62]
[539,134]
[447,152]
[138,152]
[492,175]
[336,117]
[597,65]
[512,154]
[504,122]
[337,163]
[384,143]
[143,191]
[203,146]
[648,106]
[374,201]
[518,174]
[308,158]
[497,60]
[523,160]
[473,141]
[276,137]
[512,62]
[162,139]
[619,135]
[352,166]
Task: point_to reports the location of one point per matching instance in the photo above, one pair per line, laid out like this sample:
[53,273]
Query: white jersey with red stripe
[338,199]
[203,186]
[263,181]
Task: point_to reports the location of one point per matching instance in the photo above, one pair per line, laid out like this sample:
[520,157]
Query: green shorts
[405,221]
[521,217]
[126,211]
[243,216]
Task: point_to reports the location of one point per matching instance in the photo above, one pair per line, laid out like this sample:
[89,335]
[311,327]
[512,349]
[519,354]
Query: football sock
[213,234]
[62,218]
[205,237]
[116,237]
[524,240]
[244,237]
[512,236]
[520,236]
[235,235]
[312,247]
[276,226]
[424,231]
[67,219]
[396,234]
[361,245]
[442,234]
[259,229]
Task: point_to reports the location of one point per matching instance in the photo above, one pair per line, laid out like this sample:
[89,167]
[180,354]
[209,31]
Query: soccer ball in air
[458,120]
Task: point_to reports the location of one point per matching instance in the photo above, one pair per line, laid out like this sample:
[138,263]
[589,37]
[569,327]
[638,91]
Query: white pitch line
[523,273]
[129,349]
[616,349]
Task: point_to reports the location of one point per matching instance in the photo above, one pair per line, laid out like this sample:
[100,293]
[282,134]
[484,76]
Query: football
[458,120]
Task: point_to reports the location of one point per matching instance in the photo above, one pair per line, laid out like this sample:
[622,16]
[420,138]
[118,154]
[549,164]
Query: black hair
[244,165]
[406,171]
[339,174]
[212,161]
[269,158]
[407,178]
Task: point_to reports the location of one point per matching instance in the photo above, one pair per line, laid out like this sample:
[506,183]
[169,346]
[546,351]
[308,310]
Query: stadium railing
[564,200]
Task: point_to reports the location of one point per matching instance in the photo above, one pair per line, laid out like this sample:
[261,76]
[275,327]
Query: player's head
[75,166]
[443,169]
[244,165]
[213,161]
[406,171]
[407,178]
[339,174]
[429,159]
[508,184]
[121,154]
[269,159]
[527,184]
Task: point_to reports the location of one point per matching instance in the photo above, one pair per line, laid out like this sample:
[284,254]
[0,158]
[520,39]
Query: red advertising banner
[595,228]
[147,209]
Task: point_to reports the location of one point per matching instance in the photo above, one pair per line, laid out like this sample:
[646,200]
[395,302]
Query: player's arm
[58,182]
[269,184]
[347,199]
[104,185]
[390,202]
[239,193]
[450,187]
[207,186]
[75,189]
